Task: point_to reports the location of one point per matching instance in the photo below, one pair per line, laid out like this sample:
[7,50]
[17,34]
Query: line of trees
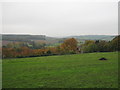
[30,44]
[101,46]
[69,46]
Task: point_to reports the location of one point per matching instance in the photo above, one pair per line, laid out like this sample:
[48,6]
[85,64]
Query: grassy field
[66,71]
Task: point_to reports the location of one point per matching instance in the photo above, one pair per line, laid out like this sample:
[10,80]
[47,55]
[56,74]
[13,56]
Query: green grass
[66,71]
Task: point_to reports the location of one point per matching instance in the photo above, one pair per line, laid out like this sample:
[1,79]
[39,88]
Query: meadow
[65,71]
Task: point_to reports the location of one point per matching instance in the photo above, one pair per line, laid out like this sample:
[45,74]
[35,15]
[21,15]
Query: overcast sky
[60,18]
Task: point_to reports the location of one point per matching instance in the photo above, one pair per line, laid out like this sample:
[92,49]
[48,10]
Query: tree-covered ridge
[69,46]
[23,37]
[36,41]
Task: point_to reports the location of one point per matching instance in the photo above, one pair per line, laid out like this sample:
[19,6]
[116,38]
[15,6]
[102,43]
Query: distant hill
[14,37]
[8,38]
[94,37]
[50,41]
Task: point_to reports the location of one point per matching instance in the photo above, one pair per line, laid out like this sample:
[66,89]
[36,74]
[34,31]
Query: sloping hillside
[94,37]
[66,71]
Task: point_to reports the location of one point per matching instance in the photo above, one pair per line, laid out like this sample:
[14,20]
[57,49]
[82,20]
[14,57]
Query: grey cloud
[60,19]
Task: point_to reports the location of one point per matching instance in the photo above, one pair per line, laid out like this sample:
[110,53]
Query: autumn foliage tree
[69,46]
